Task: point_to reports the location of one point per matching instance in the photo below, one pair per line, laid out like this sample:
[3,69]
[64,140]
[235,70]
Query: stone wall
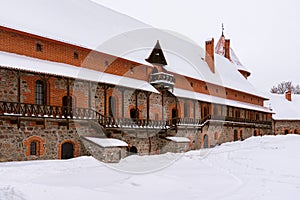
[107,155]
[51,134]
[286,126]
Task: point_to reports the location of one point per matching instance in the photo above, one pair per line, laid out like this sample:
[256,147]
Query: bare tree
[284,86]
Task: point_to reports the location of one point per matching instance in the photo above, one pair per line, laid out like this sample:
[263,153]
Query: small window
[33,148]
[205,87]
[286,132]
[192,84]
[38,47]
[39,92]
[76,56]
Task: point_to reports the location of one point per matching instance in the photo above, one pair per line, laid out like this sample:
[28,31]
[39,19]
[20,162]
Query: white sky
[264,33]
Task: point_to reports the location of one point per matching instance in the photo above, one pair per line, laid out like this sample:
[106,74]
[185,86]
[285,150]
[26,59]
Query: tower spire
[222,29]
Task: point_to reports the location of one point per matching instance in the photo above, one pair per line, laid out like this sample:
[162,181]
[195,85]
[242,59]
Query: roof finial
[222,29]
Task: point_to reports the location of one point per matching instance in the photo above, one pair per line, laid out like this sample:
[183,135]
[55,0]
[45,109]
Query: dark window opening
[133,150]
[76,56]
[38,47]
[255,133]
[134,114]
[286,132]
[67,151]
[235,135]
[174,116]
[33,148]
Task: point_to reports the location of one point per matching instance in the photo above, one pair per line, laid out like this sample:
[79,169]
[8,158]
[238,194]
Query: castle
[104,84]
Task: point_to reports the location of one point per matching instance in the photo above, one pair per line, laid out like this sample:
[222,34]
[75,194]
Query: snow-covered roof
[15,61]
[80,22]
[218,100]
[284,109]
[85,23]
[179,139]
[107,142]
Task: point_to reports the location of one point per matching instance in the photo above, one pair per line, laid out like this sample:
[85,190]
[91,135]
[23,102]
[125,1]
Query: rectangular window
[38,47]
[33,148]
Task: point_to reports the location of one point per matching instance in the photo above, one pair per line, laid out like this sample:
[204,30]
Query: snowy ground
[258,168]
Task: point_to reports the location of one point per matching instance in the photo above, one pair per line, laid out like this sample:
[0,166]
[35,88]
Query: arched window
[39,92]
[111,106]
[286,131]
[33,148]
[133,150]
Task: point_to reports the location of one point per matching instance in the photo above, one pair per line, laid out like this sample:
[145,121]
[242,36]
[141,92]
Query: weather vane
[222,29]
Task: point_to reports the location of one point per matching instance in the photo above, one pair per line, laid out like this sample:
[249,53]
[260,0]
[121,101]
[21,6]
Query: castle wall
[286,126]
[50,135]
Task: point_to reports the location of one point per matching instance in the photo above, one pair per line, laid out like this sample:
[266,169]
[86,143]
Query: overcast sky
[264,33]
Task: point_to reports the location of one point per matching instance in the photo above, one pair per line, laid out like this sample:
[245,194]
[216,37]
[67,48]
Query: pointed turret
[157,56]
[223,48]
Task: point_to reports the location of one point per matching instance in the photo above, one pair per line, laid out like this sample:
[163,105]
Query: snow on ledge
[107,142]
[178,139]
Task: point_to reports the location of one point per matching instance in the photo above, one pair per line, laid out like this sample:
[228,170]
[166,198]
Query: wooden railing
[61,112]
[44,111]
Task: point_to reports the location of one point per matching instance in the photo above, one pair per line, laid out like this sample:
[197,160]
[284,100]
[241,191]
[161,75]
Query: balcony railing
[44,111]
[61,112]
[162,79]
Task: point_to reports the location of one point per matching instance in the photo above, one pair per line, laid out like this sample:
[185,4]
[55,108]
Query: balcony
[162,80]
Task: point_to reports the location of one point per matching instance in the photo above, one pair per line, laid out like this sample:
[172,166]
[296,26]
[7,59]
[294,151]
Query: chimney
[210,54]
[288,95]
[227,49]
